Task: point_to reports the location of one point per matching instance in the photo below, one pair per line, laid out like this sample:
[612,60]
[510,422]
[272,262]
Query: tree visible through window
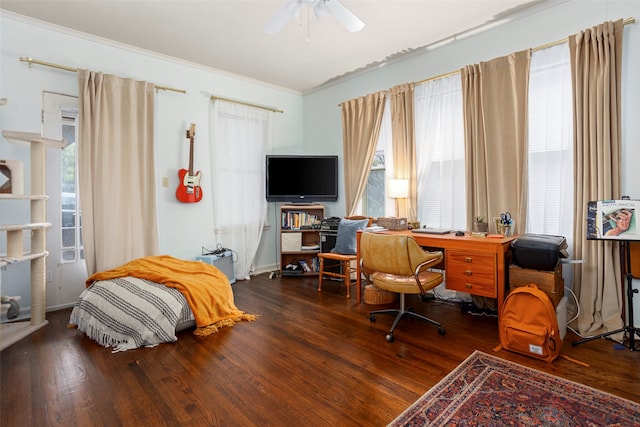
[374,195]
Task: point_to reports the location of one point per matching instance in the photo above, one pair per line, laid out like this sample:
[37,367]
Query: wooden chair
[396,263]
[341,267]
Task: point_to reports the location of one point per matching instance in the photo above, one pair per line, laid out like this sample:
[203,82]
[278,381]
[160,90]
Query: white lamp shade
[398,188]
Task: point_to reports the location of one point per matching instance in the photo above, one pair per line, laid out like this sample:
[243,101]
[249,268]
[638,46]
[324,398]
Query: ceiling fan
[321,8]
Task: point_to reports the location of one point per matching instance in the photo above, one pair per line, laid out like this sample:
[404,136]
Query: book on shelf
[294,220]
[305,266]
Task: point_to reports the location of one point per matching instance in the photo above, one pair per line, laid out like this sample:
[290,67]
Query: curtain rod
[264,107]
[74,70]
[626,21]
[534,49]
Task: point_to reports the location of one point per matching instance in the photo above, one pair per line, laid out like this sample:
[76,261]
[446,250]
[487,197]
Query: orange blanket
[205,287]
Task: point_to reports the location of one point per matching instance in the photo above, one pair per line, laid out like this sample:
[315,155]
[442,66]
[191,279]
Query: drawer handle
[468,285]
[468,272]
[468,259]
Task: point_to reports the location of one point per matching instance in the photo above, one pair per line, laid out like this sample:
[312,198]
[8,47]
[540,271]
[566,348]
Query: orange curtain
[116,170]
[596,59]
[361,121]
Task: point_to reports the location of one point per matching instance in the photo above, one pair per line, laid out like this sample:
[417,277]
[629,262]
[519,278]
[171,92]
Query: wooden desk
[477,266]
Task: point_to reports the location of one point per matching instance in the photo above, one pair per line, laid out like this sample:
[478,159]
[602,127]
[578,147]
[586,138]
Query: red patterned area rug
[488,391]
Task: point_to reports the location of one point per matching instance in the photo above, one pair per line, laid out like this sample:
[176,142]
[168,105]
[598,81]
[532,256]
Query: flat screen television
[301,179]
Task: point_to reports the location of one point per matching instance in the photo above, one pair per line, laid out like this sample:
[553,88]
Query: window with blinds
[550,147]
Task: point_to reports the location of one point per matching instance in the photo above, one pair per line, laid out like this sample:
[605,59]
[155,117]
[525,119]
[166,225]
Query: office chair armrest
[437,258]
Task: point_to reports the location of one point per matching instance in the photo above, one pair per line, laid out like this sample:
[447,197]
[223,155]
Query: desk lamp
[398,189]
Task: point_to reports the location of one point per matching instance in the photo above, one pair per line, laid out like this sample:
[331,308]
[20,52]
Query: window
[550,158]
[439,130]
[240,139]
[71,230]
[375,201]
[374,194]
[439,133]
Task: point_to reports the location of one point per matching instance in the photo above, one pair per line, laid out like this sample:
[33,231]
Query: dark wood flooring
[311,359]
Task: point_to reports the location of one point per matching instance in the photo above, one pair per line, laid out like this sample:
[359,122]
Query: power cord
[220,251]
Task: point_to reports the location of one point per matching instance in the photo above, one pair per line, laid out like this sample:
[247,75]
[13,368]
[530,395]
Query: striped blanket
[127,312]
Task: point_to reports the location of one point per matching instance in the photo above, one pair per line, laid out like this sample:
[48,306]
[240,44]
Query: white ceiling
[228,34]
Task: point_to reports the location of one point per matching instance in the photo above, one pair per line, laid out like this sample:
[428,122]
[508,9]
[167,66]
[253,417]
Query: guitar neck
[191,156]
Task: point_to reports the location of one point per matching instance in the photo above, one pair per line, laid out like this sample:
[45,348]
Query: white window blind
[550,158]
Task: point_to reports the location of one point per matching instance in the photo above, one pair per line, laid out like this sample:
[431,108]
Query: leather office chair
[396,263]
[346,241]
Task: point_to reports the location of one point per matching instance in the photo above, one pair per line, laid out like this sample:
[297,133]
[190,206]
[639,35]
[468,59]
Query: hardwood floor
[310,359]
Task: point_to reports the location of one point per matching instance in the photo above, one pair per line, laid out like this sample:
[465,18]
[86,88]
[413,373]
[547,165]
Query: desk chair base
[401,313]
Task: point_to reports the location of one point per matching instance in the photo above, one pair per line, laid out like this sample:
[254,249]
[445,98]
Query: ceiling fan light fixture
[321,8]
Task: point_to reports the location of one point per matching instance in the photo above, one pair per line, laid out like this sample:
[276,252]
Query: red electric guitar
[189,190]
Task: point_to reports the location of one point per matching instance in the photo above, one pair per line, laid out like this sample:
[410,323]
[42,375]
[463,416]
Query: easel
[629,327]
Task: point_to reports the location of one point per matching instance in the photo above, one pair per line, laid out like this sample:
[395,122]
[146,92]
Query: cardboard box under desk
[551,282]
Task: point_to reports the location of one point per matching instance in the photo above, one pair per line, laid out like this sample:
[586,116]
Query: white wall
[314,118]
[322,116]
[183,228]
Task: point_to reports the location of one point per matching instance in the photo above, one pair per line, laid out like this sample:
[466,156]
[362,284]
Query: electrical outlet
[49,276]
[165,181]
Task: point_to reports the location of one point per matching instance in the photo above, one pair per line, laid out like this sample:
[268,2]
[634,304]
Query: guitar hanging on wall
[189,190]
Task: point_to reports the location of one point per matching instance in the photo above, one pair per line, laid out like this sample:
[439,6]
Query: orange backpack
[528,324]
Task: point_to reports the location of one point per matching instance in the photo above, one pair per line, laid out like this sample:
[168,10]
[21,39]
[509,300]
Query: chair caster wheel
[372,318]
[389,337]
[441,330]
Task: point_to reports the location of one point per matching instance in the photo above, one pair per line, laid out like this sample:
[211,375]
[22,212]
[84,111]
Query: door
[66,270]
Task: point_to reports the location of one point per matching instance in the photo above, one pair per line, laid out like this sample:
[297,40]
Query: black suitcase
[538,251]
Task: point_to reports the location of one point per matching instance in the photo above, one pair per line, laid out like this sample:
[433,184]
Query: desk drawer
[471,272]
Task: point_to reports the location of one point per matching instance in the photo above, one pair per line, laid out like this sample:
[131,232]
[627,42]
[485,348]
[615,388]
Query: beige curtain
[494,98]
[404,145]
[116,170]
[361,120]
[596,59]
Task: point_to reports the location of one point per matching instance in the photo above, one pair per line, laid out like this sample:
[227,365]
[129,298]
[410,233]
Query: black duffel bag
[539,251]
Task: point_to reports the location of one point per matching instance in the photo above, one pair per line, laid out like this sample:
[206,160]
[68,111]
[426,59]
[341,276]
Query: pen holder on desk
[505,230]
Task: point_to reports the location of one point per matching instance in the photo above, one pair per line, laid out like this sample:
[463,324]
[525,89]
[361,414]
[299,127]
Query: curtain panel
[240,137]
[361,121]
[116,169]
[495,126]
[440,153]
[596,61]
[404,145]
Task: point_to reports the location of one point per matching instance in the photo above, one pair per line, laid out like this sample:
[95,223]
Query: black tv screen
[302,179]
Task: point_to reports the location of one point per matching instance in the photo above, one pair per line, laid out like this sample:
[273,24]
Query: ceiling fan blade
[347,18]
[289,10]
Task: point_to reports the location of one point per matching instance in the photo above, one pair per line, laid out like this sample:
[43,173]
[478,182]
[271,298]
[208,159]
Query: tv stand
[300,238]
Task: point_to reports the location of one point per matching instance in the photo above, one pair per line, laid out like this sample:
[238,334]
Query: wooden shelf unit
[12,332]
[300,229]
